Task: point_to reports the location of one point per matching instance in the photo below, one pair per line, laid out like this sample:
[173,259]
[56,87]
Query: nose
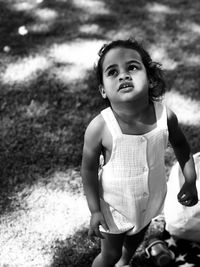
[125,77]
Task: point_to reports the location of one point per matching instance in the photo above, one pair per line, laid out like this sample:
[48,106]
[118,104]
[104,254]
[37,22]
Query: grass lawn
[48,94]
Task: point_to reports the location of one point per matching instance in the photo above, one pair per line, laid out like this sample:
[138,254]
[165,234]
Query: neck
[131,110]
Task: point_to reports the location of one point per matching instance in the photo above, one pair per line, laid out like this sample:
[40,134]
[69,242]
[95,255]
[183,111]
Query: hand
[96,220]
[188,195]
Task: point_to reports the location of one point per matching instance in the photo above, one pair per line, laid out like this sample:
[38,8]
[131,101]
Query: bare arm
[89,172]
[188,193]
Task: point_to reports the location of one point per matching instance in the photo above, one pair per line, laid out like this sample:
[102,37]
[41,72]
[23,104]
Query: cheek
[142,83]
[104,80]
[144,79]
[108,82]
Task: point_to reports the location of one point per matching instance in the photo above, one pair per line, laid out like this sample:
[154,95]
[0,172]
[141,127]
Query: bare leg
[130,245]
[111,250]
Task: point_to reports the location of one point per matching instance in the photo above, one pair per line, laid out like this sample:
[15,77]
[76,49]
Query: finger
[192,202]
[186,202]
[91,235]
[182,196]
[98,233]
[105,226]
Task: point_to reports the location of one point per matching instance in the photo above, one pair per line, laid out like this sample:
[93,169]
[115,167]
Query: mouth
[125,85]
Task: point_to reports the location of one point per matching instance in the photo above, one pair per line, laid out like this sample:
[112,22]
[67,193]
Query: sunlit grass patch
[49,213]
[92,6]
[66,62]
[24,70]
[187,109]
[160,54]
[79,52]
[160,8]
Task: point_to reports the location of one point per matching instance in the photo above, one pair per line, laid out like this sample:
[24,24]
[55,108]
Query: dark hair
[153,69]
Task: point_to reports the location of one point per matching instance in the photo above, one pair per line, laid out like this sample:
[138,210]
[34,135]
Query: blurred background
[49,93]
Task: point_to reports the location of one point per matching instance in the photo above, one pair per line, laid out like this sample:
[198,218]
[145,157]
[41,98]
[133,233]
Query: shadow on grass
[63,21]
[75,251]
[39,31]
[42,30]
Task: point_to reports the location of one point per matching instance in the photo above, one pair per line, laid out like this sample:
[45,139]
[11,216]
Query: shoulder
[95,129]
[175,133]
[163,109]
[92,143]
[172,119]
[162,112]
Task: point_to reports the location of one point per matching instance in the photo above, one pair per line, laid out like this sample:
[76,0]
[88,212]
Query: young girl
[131,134]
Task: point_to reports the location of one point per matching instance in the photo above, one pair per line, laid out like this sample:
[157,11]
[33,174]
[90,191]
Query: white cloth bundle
[181,221]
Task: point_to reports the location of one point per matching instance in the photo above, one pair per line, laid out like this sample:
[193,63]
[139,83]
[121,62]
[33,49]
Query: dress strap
[111,122]
[161,115]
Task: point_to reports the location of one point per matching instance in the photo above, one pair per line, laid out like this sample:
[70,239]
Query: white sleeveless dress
[133,182]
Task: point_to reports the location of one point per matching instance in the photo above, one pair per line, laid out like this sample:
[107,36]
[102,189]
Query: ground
[48,94]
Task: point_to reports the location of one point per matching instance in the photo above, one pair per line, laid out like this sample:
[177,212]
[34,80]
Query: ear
[151,83]
[102,91]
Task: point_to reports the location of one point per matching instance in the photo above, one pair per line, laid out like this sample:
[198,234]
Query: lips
[125,85]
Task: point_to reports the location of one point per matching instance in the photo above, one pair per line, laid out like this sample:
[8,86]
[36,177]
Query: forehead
[120,55]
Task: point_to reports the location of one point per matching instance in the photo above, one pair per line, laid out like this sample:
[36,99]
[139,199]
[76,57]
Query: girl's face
[124,76]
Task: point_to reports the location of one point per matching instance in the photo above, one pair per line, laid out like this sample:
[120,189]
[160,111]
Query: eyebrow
[128,62]
[110,67]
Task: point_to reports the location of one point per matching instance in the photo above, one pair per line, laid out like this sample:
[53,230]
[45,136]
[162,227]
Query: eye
[132,67]
[112,72]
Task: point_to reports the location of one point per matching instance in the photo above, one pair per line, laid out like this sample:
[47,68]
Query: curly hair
[154,72]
